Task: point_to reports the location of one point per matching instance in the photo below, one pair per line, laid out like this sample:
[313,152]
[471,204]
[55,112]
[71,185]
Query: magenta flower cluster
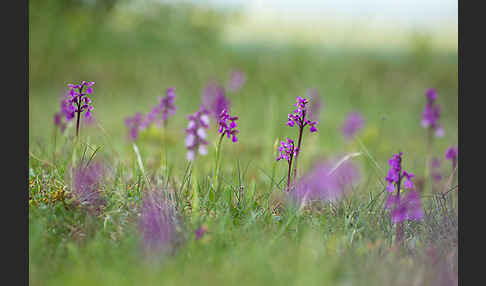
[227,125]
[395,175]
[78,100]
[74,103]
[196,134]
[286,150]
[431,113]
[299,116]
[451,154]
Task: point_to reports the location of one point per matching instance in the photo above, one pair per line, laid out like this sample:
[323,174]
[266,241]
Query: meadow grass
[254,237]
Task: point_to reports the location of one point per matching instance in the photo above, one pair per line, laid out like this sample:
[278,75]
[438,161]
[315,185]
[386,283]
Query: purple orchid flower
[431,114]
[300,118]
[78,101]
[404,208]
[227,125]
[451,154]
[287,152]
[196,133]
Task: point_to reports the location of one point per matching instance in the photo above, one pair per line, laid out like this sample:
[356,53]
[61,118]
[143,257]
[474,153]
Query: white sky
[369,23]
[425,14]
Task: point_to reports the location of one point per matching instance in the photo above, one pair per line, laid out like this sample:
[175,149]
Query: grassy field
[253,237]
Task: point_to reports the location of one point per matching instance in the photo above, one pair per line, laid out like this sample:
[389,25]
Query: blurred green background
[134,52]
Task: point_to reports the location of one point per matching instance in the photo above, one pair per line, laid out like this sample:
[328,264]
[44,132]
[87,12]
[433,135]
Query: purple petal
[408,184]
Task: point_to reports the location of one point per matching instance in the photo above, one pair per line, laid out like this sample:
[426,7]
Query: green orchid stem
[298,151]
[399,235]
[216,169]
[163,152]
[289,173]
[78,113]
[427,177]
[77,144]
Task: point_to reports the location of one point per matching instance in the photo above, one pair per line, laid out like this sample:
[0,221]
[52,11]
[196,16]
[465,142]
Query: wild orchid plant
[408,207]
[78,102]
[287,152]
[297,118]
[227,126]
